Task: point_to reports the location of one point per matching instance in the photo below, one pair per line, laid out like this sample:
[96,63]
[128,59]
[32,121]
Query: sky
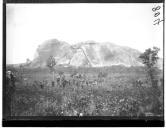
[29,25]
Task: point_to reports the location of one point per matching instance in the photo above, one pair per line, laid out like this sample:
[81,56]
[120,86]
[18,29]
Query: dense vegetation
[107,91]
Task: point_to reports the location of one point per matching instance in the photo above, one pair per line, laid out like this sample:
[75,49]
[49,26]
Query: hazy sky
[28,25]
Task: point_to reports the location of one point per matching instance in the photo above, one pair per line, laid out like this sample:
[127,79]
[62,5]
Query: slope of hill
[108,54]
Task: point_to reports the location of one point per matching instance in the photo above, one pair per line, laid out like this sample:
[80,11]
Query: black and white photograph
[84,60]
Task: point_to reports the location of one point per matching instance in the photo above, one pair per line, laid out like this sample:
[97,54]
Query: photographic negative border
[76,121]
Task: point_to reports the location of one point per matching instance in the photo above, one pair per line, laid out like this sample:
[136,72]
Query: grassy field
[116,93]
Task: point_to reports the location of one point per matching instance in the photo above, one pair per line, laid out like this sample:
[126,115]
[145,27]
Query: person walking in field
[10,90]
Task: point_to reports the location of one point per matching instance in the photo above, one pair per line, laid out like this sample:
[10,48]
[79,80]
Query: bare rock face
[61,51]
[107,54]
[78,59]
[85,54]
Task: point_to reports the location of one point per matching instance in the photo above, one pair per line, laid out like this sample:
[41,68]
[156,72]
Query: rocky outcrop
[89,53]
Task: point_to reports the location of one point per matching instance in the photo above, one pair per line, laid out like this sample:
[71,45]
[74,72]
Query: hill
[86,54]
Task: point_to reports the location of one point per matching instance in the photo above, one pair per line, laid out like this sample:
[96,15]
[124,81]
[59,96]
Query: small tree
[149,59]
[50,64]
[28,62]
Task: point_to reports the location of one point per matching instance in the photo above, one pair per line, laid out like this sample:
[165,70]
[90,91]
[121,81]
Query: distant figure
[53,83]
[13,80]
[62,80]
[58,81]
[41,85]
[10,90]
[161,86]
[65,83]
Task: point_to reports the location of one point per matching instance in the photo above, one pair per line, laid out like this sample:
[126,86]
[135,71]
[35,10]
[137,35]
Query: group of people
[75,79]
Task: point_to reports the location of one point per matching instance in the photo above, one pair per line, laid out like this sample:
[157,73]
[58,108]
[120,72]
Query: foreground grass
[116,96]
[73,101]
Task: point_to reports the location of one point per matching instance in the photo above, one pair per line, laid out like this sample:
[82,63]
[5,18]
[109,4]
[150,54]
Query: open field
[115,92]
